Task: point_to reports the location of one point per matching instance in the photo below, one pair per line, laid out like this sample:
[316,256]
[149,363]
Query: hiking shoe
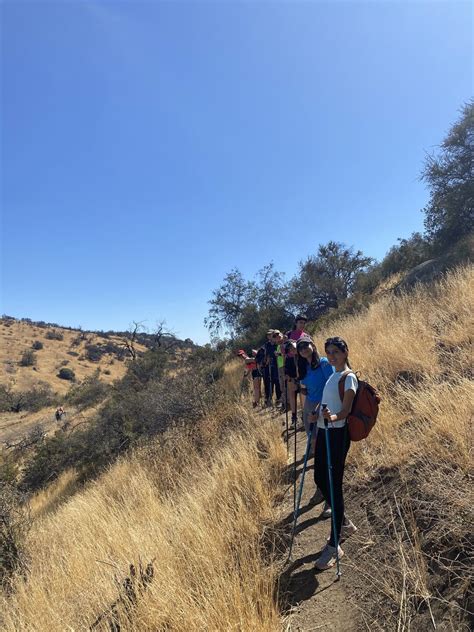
[327,559]
[346,531]
[327,511]
[316,498]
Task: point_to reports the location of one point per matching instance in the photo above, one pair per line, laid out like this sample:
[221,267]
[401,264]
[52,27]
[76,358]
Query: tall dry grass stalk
[201,517]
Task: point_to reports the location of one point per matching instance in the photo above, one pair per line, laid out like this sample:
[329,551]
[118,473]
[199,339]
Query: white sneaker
[327,559]
[317,497]
[346,531]
[327,511]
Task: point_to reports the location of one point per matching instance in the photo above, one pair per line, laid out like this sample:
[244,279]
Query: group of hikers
[290,366]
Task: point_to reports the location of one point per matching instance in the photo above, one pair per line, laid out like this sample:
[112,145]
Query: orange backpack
[365,408]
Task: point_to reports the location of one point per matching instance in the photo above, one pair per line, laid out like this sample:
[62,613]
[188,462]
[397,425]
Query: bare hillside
[84,353]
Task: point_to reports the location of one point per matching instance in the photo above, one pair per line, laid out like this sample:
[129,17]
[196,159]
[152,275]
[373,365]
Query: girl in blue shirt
[313,372]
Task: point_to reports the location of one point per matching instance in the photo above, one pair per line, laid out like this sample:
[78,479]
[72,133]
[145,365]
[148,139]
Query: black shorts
[256,373]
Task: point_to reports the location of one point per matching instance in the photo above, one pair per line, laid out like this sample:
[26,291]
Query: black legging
[272,381]
[339,443]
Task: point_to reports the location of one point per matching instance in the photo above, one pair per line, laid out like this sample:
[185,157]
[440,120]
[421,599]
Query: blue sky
[150,147]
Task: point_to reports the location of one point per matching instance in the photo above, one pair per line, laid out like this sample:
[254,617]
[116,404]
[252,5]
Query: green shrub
[89,392]
[94,353]
[67,374]
[37,345]
[54,335]
[28,358]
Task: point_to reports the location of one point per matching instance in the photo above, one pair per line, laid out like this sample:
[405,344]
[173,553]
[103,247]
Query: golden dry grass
[416,349]
[202,518]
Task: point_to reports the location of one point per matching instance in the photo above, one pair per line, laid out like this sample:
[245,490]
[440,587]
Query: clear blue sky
[150,147]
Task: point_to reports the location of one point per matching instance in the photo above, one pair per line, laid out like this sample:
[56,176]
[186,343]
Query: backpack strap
[342,381]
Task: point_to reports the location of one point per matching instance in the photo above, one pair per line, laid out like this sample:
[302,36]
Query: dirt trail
[315,601]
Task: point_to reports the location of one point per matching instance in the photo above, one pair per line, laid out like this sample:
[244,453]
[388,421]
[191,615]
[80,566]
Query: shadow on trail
[296,587]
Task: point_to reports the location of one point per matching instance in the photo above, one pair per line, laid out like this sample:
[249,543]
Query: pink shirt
[296,335]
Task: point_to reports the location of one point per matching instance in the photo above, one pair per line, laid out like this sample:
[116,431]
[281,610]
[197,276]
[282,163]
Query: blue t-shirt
[315,379]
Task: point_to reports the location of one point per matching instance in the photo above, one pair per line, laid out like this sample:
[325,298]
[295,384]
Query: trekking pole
[300,492]
[331,492]
[286,419]
[294,460]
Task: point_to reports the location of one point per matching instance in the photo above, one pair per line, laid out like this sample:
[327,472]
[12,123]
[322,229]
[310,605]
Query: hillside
[208,504]
[83,352]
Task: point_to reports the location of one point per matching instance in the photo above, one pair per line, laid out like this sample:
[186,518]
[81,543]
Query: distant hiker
[252,369]
[291,376]
[265,368]
[336,412]
[280,340]
[298,328]
[59,413]
[271,349]
[313,372]
[295,334]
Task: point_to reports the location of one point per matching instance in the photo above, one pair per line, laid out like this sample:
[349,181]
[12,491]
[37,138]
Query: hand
[313,417]
[327,414]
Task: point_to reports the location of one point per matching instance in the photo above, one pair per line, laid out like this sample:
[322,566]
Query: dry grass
[411,482]
[201,518]
[416,348]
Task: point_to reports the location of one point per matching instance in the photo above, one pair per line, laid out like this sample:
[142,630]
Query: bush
[54,335]
[90,392]
[28,358]
[94,353]
[35,399]
[67,374]
[37,345]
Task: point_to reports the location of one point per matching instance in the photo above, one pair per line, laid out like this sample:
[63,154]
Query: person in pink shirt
[295,334]
[298,328]
[291,372]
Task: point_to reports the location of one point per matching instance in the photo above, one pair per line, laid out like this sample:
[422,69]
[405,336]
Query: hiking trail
[314,600]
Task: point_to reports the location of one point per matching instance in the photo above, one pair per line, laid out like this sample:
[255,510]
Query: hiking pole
[294,460]
[286,419]
[300,492]
[331,492]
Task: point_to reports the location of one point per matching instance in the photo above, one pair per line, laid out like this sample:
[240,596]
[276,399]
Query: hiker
[280,340]
[265,368]
[336,412]
[291,377]
[295,334]
[252,369]
[273,382]
[59,413]
[313,372]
